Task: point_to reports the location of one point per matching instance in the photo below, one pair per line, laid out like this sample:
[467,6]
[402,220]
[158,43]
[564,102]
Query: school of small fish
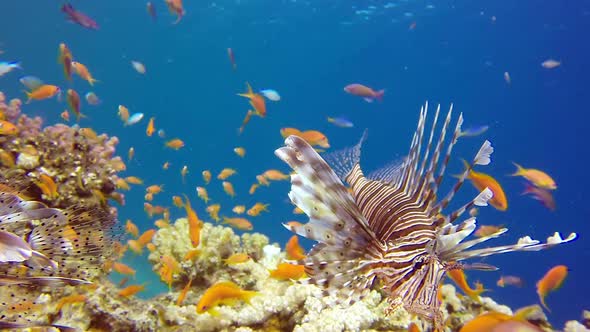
[19,249]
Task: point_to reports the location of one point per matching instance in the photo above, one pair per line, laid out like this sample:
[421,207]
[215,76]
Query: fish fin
[336,264]
[343,161]
[518,171]
[379,95]
[29,96]
[542,300]
[483,156]
[368,100]
[483,197]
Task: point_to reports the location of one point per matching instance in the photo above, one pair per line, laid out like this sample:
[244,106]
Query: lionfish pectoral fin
[523,244]
[334,220]
[479,267]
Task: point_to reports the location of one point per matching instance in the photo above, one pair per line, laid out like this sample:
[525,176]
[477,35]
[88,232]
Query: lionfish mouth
[390,226]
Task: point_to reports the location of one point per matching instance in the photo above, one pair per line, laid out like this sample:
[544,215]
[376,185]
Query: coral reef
[279,305]
[81,164]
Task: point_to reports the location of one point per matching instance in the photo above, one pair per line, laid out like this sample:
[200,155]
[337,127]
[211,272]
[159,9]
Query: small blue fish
[341,122]
[135,118]
[271,94]
[474,131]
[31,82]
[7,67]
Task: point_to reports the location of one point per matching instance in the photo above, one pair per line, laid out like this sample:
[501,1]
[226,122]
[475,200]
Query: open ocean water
[437,51]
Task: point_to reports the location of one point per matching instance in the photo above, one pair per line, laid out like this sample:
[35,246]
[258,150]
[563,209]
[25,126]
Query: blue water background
[308,52]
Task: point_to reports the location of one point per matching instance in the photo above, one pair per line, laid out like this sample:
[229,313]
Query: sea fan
[389,229]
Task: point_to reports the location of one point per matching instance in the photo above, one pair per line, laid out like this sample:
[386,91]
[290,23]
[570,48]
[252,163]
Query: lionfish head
[390,228]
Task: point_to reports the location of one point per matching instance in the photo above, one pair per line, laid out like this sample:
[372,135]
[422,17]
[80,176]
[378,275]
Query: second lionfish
[389,228]
[43,250]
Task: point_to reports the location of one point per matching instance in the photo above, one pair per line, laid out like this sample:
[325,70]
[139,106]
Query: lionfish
[389,228]
[43,249]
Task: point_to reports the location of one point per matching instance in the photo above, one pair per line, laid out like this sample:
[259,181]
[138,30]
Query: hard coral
[83,167]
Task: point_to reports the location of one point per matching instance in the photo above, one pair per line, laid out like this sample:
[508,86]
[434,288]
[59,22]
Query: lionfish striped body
[389,228]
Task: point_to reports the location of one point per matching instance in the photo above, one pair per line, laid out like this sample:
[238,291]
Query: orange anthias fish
[313,137]
[256,209]
[123,269]
[537,177]
[551,281]
[224,292]
[168,269]
[131,228]
[499,322]
[240,151]
[367,93]
[202,194]
[286,271]
[83,72]
[487,230]
[175,144]
[481,180]
[146,237]
[43,92]
[66,58]
[176,7]
[228,188]
[256,101]
[542,195]
[239,223]
[253,188]
[150,127]
[237,258]
[7,128]
[123,113]
[293,249]
[275,175]
[226,173]
[459,278]
[73,99]
[239,209]
[206,176]
[131,290]
[183,293]
[71,299]
[48,186]
[213,211]
[194,224]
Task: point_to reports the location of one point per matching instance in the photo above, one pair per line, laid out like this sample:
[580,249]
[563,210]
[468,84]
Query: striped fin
[388,173]
[342,161]
[391,213]
[12,207]
[523,244]
[336,263]
[80,246]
